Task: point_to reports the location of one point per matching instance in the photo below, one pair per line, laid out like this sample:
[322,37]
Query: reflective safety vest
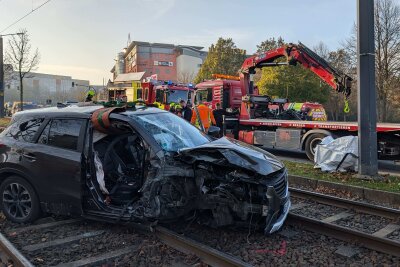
[206,116]
[159,105]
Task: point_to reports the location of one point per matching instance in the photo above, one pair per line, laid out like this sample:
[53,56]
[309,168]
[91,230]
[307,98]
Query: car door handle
[29,156]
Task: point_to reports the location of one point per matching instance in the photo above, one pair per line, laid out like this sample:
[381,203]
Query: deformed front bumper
[277,210]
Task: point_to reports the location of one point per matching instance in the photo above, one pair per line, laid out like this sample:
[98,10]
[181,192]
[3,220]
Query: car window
[62,133]
[171,132]
[204,95]
[24,130]
[159,96]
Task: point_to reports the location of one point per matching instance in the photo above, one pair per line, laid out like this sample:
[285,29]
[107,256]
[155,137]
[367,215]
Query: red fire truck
[255,122]
[165,93]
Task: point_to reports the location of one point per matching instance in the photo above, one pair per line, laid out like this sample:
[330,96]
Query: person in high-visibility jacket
[206,116]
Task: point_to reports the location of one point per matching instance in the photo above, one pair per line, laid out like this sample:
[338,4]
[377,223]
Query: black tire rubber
[310,142]
[35,209]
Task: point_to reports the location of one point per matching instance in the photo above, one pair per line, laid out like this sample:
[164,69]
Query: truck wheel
[18,200]
[311,143]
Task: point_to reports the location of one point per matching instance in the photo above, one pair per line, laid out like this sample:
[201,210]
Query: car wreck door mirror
[213,131]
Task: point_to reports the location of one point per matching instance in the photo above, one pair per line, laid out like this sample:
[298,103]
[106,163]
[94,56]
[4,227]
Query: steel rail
[384,245]
[206,254]
[13,253]
[358,206]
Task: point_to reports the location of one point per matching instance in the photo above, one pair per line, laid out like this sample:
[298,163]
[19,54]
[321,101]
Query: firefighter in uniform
[206,116]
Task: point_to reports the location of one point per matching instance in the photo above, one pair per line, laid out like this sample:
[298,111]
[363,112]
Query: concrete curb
[378,196]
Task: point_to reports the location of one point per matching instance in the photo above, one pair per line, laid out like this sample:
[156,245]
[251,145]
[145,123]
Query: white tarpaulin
[339,154]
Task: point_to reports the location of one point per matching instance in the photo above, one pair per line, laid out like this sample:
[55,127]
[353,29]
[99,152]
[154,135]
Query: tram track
[306,213]
[24,251]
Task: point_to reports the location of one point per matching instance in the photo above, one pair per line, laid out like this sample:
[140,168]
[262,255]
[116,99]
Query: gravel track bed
[149,252]
[6,225]
[343,194]
[364,222]
[115,237]
[316,210]
[55,232]
[291,247]
[395,236]
[154,253]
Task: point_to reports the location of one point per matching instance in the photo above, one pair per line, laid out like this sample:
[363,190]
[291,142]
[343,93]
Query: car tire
[19,201]
[311,143]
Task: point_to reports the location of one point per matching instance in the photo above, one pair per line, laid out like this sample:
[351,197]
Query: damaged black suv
[141,166]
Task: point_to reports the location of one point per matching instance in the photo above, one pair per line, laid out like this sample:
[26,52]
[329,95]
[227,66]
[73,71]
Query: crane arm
[294,54]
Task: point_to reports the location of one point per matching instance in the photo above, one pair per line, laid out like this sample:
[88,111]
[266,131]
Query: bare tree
[387,36]
[387,55]
[322,50]
[186,76]
[20,56]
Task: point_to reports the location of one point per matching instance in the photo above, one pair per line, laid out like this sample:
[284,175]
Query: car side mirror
[213,131]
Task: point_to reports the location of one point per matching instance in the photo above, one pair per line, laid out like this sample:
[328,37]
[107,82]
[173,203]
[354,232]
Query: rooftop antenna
[129,40]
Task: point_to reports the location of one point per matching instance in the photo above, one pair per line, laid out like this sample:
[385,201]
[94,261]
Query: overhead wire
[18,20]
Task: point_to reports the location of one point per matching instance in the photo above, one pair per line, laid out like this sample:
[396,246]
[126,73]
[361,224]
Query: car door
[15,139]
[55,161]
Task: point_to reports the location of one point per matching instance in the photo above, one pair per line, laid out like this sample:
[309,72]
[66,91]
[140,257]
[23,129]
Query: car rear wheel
[311,144]
[18,200]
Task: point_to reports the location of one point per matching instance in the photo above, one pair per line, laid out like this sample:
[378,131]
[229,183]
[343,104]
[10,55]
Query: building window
[167,71]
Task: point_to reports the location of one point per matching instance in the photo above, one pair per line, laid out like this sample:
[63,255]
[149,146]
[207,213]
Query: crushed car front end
[239,185]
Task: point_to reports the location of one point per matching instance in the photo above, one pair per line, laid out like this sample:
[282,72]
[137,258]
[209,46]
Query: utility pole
[368,152]
[1,79]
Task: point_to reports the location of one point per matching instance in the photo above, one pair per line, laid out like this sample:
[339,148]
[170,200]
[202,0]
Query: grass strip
[388,183]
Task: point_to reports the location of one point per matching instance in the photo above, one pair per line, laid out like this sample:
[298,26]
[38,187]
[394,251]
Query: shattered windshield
[174,96]
[171,132]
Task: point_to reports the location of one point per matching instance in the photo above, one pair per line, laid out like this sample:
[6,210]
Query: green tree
[263,78]
[270,44]
[293,82]
[223,58]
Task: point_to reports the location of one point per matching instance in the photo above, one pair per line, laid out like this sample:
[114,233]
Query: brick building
[177,63]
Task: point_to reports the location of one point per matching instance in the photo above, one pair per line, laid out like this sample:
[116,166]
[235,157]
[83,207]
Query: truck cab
[226,92]
[166,93]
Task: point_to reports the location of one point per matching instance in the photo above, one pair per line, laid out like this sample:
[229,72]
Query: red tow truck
[256,123]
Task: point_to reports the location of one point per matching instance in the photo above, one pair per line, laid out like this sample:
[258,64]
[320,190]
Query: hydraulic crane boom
[294,54]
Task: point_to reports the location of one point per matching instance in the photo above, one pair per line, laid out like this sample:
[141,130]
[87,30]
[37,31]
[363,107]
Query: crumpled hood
[226,150]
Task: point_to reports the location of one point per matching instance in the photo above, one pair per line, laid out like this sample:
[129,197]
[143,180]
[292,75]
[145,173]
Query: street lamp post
[2,73]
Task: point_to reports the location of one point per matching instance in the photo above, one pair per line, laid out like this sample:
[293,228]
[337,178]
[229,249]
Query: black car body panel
[126,173]
[237,154]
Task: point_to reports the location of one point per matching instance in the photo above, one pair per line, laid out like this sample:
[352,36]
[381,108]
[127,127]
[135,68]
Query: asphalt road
[385,166]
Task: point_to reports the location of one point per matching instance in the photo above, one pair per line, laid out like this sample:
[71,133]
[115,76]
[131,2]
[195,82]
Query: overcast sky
[81,38]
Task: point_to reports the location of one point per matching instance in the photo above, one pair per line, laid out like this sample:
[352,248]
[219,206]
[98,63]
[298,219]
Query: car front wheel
[18,200]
